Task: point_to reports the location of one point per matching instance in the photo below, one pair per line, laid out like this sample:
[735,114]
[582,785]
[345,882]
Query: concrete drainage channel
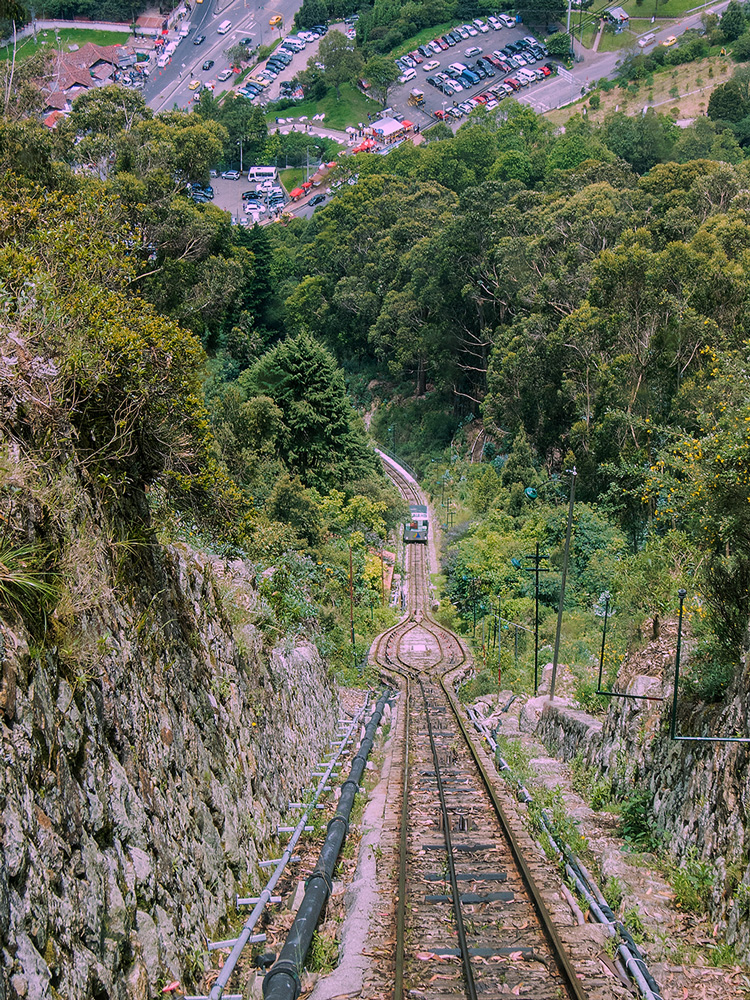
[337,830]
[629,964]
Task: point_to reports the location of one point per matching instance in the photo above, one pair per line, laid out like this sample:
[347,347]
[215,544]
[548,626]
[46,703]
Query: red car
[513,83]
[546,70]
[482,98]
[443,45]
[416,57]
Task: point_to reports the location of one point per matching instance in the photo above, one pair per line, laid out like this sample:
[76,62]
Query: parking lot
[488,43]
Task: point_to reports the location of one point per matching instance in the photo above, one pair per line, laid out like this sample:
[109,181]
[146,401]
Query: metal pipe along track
[283,980]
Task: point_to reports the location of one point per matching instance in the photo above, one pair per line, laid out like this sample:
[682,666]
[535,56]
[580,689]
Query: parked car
[208,64]
[231,175]
[431,65]
[509,22]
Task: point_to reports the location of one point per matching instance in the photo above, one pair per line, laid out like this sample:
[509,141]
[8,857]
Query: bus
[224,27]
[259,174]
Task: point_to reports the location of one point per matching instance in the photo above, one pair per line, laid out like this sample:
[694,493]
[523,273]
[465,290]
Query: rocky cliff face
[699,793]
[145,766]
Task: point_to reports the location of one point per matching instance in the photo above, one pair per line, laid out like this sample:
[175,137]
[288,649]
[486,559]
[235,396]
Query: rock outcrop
[145,769]
[697,793]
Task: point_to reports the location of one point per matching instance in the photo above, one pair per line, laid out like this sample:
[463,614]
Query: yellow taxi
[276,20]
[194,84]
[669,42]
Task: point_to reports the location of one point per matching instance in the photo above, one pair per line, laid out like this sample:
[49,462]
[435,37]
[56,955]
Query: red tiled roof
[58,100]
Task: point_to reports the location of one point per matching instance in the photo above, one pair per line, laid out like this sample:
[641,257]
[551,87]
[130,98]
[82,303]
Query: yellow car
[276,20]
[669,41]
[194,84]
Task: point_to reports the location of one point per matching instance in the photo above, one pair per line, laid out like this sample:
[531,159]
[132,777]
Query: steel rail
[471,988]
[398,986]
[566,967]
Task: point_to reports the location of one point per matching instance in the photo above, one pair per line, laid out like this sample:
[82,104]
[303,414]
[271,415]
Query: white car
[231,175]
[224,75]
[494,23]
[480,25]
[432,64]
[509,22]
[471,29]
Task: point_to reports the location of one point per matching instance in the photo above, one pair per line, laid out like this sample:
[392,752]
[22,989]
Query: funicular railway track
[470,920]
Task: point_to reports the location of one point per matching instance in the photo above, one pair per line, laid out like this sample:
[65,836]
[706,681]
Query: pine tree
[320,439]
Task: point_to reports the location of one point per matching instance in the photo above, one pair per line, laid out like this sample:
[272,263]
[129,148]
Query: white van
[224,27]
[263,173]
[409,74]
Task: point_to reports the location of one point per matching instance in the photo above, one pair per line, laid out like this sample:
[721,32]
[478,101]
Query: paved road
[170,86]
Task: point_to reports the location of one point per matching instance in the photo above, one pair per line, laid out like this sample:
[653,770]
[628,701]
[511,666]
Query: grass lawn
[292,178]
[65,36]
[587,35]
[670,8]
[678,91]
[611,42]
[350,110]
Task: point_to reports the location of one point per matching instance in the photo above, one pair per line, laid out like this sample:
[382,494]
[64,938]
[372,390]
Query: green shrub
[692,882]
[637,820]
[709,671]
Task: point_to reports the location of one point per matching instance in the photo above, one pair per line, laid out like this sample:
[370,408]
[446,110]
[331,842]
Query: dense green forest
[506,303]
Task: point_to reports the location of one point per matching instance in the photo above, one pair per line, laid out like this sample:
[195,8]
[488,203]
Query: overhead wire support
[673,734]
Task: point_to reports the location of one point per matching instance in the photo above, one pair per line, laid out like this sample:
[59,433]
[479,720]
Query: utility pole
[536,571]
[351,606]
[573,473]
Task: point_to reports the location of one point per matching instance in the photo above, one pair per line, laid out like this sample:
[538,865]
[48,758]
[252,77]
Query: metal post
[604,639]
[499,665]
[516,648]
[682,594]
[573,473]
[536,619]
[351,607]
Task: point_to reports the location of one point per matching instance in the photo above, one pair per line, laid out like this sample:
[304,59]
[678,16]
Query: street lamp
[573,473]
